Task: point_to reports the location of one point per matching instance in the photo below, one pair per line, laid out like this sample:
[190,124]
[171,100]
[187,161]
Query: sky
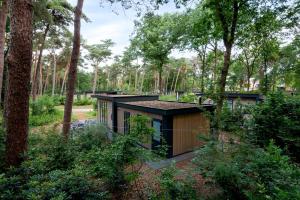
[114,22]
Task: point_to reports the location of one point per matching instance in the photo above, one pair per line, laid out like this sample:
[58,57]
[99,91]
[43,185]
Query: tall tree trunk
[64,80]
[215,66]
[40,91]
[33,71]
[175,84]
[142,83]
[36,76]
[46,79]
[222,83]
[3,14]
[19,67]
[95,78]
[136,80]
[202,72]
[73,70]
[160,85]
[173,81]
[53,74]
[167,81]
[229,31]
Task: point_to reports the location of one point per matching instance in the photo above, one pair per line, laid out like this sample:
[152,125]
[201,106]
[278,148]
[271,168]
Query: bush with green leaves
[42,105]
[243,171]
[51,170]
[188,98]
[174,188]
[43,111]
[59,100]
[83,102]
[87,166]
[233,120]
[278,118]
[109,163]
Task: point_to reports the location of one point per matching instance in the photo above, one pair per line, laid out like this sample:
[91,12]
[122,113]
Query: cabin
[89,93]
[107,106]
[177,124]
[233,99]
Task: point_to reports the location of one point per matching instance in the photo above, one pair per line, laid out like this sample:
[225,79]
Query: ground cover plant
[43,112]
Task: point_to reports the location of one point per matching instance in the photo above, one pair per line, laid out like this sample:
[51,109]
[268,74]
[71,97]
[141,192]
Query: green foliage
[88,166]
[109,163]
[188,98]
[167,98]
[43,111]
[51,170]
[59,100]
[246,172]
[83,102]
[174,188]
[44,119]
[233,119]
[278,118]
[42,105]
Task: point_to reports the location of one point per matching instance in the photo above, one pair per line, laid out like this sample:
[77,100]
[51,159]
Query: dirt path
[81,112]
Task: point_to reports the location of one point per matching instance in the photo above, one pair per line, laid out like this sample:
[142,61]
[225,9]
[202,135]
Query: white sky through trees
[116,23]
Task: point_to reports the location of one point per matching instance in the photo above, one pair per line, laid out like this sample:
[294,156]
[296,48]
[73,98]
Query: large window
[156,138]
[103,112]
[126,122]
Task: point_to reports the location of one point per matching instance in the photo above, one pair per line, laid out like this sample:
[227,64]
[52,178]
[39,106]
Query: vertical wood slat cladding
[186,128]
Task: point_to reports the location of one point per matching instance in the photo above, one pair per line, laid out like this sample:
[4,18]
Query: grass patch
[46,118]
[167,98]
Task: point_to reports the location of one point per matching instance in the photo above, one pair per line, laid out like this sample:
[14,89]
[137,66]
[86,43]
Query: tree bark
[36,76]
[40,89]
[95,78]
[175,84]
[73,70]
[160,85]
[54,74]
[19,67]
[229,31]
[64,80]
[46,79]
[3,15]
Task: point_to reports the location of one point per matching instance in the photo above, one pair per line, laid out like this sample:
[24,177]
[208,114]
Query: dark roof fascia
[101,92]
[235,95]
[126,98]
[166,112]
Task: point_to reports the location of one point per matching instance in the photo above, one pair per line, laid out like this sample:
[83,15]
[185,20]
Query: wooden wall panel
[186,129]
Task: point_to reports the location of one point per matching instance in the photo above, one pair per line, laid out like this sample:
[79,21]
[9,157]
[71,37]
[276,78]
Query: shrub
[173,188]
[188,98]
[246,172]
[83,102]
[44,119]
[59,100]
[233,120]
[278,118]
[42,105]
